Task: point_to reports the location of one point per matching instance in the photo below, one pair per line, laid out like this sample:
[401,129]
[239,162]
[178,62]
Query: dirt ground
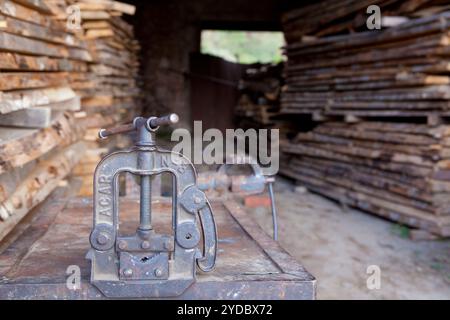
[338,245]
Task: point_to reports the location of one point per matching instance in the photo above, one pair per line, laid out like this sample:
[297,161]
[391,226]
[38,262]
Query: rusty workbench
[250,265]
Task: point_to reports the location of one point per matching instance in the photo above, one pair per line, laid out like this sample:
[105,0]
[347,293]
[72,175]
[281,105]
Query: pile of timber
[258,106]
[260,94]
[108,88]
[337,69]
[402,71]
[39,134]
[400,171]
[58,86]
[330,17]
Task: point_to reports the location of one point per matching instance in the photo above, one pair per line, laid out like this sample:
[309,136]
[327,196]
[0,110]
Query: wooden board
[28,118]
[30,80]
[42,180]
[20,146]
[22,99]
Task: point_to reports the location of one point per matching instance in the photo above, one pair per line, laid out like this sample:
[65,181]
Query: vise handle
[152,124]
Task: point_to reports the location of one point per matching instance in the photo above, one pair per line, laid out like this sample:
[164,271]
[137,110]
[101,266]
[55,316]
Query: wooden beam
[38,5]
[30,80]
[21,12]
[23,99]
[73,104]
[391,21]
[32,30]
[107,6]
[10,180]
[19,146]
[11,61]
[19,44]
[27,118]
[37,186]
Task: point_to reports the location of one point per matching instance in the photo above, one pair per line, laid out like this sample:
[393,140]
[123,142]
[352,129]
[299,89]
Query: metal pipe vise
[252,184]
[148,264]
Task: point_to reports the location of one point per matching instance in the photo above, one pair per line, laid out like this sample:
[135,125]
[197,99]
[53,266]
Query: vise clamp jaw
[148,264]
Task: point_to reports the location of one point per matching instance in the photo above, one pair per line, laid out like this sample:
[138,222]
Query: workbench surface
[250,265]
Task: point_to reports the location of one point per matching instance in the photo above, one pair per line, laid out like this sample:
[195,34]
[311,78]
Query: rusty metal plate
[250,265]
[144,266]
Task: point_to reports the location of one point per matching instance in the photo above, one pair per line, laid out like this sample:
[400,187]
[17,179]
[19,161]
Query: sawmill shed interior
[359,93]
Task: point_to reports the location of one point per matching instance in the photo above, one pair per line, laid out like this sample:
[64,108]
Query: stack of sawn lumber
[400,74]
[397,170]
[39,135]
[258,106]
[402,71]
[109,90]
[328,17]
[260,93]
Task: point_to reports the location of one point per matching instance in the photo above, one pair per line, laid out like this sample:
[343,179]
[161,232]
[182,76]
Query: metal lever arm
[155,122]
[207,262]
[151,124]
[104,133]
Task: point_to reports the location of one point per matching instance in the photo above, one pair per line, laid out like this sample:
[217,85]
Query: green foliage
[400,230]
[243,46]
[437,266]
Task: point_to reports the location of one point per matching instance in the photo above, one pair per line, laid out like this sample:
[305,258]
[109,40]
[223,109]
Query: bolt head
[145,244]
[123,245]
[197,200]
[127,272]
[158,272]
[102,238]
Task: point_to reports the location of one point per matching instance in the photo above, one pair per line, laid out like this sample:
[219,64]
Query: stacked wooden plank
[400,171]
[39,135]
[328,17]
[402,71]
[108,89]
[323,18]
[111,83]
[37,55]
[260,94]
[398,168]
[258,106]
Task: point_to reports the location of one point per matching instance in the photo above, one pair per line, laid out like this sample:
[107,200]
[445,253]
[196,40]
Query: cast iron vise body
[148,264]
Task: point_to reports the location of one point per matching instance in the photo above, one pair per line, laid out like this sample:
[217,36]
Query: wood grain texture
[43,179]
[20,146]
[384,168]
